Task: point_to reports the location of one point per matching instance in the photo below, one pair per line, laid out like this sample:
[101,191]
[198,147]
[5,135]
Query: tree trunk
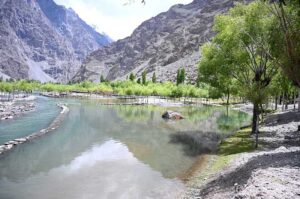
[283,100]
[280,99]
[294,97]
[228,96]
[276,103]
[255,123]
[299,99]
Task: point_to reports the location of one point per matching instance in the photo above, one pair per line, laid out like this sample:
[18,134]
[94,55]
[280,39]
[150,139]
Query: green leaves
[238,58]
[180,78]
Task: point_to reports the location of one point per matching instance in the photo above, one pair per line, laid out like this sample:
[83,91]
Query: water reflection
[104,171]
[197,142]
[114,151]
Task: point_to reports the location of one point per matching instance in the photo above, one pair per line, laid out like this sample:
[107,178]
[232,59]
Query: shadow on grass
[197,142]
[237,143]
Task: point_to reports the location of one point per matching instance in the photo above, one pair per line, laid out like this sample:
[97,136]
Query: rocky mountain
[44,41]
[161,44]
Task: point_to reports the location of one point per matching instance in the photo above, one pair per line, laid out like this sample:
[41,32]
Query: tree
[214,71]
[182,75]
[178,77]
[138,81]
[144,80]
[102,79]
[242,45]
[286,45]
[282,87]
[131,77]
[154,78]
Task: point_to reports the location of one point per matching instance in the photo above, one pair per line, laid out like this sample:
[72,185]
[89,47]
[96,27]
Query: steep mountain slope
[43,41]
[161,44]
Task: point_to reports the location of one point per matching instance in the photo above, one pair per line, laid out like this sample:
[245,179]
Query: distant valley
[43,41]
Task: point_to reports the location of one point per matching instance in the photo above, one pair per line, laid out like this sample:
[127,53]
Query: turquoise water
[112,151]
[26,124]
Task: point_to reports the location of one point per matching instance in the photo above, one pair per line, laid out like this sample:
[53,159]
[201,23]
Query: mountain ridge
[162,44]
[43,41]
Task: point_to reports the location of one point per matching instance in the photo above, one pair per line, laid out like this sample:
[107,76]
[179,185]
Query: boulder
[172,115]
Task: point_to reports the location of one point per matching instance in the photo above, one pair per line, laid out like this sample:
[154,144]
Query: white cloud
[113,17]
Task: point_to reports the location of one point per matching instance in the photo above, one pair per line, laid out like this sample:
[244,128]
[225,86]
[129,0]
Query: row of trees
[255,53]
[144,78]
[180,78]
[167,89]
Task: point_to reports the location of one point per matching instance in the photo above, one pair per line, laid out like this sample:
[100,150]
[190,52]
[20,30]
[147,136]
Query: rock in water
[172,115]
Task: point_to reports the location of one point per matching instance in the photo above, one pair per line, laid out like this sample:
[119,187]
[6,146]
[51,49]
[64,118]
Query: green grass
[237,143]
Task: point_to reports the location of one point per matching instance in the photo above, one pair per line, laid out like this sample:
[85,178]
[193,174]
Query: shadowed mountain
[161,44]
[44,41]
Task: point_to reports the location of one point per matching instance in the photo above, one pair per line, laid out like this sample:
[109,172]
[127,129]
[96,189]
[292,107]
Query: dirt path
[231,184]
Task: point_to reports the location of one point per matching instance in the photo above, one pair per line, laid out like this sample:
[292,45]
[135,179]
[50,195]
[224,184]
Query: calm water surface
[26,124]
[108,151]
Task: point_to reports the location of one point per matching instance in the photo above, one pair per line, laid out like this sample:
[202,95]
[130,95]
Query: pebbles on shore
[54,125]
[9,110]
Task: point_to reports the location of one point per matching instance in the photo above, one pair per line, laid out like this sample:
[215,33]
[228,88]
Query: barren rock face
[161,44]
[43,41]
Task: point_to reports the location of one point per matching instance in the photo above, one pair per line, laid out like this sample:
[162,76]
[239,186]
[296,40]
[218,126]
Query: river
[108,151]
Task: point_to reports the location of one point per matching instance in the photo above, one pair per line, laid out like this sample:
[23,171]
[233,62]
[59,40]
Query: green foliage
[180,78]
[285,44]
[138,81]
[144,80]
[154,78]
[131,77]
[119,87]
[102,79]
[238,58]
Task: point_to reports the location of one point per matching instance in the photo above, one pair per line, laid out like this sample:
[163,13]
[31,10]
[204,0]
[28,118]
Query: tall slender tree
[144,78]
[154,78]
[131,77]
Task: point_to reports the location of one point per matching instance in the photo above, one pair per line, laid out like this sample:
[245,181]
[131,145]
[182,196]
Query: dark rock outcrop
[172,115]
[44,41]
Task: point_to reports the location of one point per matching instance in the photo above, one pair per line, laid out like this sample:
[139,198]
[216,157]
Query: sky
[115,18]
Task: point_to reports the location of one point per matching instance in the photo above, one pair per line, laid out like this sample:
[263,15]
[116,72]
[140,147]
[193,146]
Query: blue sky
[113,17]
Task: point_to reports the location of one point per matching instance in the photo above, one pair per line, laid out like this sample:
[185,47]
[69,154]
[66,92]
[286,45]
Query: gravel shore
[54,125]
[10,110]
[273,171]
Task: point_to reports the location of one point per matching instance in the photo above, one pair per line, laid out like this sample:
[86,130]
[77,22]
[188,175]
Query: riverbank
[16,107]
[54,125]
[272,171]
[115,99]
